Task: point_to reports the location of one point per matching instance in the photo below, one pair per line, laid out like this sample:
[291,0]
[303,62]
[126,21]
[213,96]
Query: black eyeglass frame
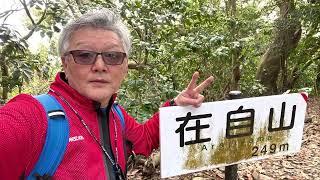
[90,62]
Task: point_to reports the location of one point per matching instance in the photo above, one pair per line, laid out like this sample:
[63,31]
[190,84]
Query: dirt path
[301,166]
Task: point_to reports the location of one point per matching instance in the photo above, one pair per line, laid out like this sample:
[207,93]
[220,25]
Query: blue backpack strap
[127,144]
[57,138]
[117,109]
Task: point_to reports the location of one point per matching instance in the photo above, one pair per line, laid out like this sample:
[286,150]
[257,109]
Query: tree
[231,10]
[16,63]
[306,57]
[13,48]
[287,35]
[172,39]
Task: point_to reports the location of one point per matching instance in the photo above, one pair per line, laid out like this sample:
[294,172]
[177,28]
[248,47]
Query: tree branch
[5,13]
[134,27]
[36,24]
[137,66]
[24,4]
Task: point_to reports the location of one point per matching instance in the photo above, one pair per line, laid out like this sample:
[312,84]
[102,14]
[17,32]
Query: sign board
[229,132]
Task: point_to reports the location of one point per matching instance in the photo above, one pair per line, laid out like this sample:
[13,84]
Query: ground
[303,165]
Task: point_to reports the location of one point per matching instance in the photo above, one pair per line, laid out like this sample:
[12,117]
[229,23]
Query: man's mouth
[99,81]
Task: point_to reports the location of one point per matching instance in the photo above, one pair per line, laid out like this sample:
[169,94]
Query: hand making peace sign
[191,95]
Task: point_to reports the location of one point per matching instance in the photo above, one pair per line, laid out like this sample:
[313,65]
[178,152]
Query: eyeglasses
[86,57]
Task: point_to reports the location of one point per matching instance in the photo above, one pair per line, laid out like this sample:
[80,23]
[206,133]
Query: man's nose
[99,64]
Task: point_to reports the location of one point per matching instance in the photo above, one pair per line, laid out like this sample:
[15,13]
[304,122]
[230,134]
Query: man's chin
[100,97]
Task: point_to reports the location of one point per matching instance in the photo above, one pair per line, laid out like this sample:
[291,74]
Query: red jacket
[23,125]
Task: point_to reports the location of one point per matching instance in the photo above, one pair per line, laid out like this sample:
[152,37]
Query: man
[94,53]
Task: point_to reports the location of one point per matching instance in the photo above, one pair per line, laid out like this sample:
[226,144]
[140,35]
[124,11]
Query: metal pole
[231,171]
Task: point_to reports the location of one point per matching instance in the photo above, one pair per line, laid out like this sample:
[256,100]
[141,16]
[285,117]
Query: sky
[14,19]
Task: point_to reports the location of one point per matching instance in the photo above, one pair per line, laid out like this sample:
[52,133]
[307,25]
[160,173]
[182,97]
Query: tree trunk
[318,79]
[311,47]
[274,61]
[4,80]
[231,10]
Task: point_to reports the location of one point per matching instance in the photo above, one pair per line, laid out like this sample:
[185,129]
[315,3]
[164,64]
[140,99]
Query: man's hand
[191,95]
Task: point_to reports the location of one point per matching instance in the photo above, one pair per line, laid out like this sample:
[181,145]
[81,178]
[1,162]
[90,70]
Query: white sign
[229,132]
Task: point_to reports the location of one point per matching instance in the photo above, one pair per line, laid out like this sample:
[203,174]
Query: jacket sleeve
[22,135]
[144,137]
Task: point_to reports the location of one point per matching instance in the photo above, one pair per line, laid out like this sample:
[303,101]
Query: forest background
[260,47]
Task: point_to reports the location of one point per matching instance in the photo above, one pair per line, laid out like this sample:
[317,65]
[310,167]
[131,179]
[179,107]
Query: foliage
[304,62]
[174,38]
[11,57]
[42,74]
[18,64]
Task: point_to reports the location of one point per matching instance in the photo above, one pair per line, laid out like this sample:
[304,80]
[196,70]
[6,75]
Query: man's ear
[64,63]
[126,65]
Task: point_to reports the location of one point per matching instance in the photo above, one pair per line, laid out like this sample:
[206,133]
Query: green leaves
[174,38]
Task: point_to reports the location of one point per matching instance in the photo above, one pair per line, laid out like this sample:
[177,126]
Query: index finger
[204,84]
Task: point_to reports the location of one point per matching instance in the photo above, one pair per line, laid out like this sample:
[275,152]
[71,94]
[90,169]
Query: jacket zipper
[103,127]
